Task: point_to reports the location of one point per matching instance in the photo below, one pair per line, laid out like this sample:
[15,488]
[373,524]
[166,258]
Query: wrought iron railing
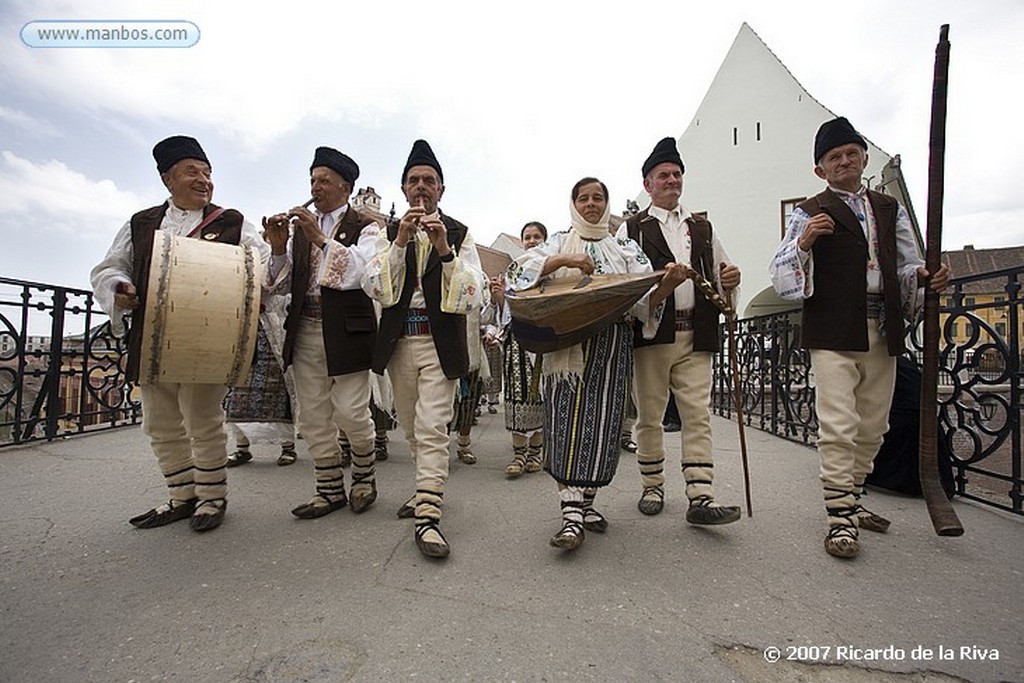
[62,372]
[980,382]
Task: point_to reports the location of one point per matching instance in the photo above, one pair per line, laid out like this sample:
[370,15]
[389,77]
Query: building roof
[971,261]
[749,157]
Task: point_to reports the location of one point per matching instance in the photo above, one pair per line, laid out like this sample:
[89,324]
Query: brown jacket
[447,329]
[349,321]
[646,231]
[835,316]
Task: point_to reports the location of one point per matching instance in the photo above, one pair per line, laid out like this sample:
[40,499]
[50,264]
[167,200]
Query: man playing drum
[330,330]
[184,422]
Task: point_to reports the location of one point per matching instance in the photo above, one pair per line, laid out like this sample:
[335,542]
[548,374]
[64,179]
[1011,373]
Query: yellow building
[985,300]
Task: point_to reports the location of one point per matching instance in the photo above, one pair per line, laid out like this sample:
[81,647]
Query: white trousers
[424,400]
[185,426]
[326,403]
[675,368]
[853,392]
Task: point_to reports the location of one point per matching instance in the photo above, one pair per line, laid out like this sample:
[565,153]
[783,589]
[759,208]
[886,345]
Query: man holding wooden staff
[184,422]
[427,277]
[330,330]
[678,357]
[851,257]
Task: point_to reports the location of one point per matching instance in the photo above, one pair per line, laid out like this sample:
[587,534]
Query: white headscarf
[569,362]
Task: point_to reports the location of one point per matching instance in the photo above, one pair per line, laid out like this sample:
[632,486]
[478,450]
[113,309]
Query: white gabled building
[748,155]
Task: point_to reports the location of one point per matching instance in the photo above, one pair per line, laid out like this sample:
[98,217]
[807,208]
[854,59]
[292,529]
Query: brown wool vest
[349,321]
[226,228]
[835,317]
[447,329]
[646,231]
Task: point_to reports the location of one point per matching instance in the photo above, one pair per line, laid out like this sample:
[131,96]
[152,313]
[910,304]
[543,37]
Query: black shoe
[704,510]
[315,508]
[362,496]
[239,457]
[287,457]
[652,500]
[594,521]
[669,427]
[408,509]
[201,521]
[171,511]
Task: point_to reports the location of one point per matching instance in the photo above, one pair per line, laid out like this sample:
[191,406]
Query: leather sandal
[207,521]
[239,457]
[569,537]
[287,457]
[171,511]
[319,506]
[594,521]
[841,541]
[408,509]
[430,547]
[652,500]
[705,510]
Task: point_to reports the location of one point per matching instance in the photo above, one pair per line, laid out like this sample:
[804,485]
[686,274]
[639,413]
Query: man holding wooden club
[850,256]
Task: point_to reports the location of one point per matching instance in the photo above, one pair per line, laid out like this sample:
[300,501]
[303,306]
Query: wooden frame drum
[202,309]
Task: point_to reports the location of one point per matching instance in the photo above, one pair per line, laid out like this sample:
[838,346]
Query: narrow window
[759,131]
[735,133]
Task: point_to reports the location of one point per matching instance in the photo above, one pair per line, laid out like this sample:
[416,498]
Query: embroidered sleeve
[385,272]
[342,267]
[461,278]
[524,272]
[908,260]
[638,263]
[792,270]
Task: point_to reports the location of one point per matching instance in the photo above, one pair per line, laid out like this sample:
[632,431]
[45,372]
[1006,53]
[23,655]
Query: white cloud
[31,125]
[55,199]
[518,100]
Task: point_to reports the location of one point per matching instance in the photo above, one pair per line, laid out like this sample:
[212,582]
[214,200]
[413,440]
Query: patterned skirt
[265,396]
[383,421]
[524,406]
[467,398]
[583,421]
[494,362]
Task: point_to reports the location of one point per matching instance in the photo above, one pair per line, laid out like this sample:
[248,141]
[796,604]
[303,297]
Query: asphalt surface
[267,597]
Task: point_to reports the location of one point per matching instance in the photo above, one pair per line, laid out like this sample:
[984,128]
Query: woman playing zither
[585,386]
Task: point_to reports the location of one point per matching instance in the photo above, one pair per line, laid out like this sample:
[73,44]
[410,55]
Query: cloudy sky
[518,100]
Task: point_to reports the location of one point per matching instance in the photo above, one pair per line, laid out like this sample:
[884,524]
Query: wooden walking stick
[726,307]
[944,518]
[738,403]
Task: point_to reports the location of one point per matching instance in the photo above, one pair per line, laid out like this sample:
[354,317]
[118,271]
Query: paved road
[86,597]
